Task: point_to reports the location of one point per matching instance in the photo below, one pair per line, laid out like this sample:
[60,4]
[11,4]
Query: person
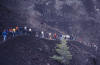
[36,34]
[67,37]
[26,30]
[14,32]
[42,33]
[4,33]
[30,30]
[55,36]
[50,37]
[10,31]
[71,37]
[17,30]
[46,35]
[60,36]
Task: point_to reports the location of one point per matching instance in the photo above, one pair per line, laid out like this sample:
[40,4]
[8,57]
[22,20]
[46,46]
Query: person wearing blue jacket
[4,33]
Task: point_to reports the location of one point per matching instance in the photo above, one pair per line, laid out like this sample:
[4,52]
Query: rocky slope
[28,50]
[79,18]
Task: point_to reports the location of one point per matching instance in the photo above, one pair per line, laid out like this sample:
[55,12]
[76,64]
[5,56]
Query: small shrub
[64,56]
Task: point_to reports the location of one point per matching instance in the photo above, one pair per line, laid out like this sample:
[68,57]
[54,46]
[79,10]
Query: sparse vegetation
[63,54]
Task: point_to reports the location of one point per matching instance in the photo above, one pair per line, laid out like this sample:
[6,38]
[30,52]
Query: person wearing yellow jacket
[14,32]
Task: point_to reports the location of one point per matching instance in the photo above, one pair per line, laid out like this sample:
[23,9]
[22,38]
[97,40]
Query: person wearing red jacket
[55,36]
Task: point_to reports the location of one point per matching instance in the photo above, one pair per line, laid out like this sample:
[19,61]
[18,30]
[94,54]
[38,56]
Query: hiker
[55,36]
[67,37]
[14,32]
[26,30]
[4,33]
[30,31]
[46,35]
[60,36]
[10,31]
[63,37]
[71,37]
[21,30]
[50,36]
[36,34]
[17,30]
[42,34]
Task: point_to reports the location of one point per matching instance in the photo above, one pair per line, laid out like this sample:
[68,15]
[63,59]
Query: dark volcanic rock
[80,18]
[26,50]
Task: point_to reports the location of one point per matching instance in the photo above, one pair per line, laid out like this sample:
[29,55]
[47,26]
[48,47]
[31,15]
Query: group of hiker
[15,31]
[52,36]
[49,36]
